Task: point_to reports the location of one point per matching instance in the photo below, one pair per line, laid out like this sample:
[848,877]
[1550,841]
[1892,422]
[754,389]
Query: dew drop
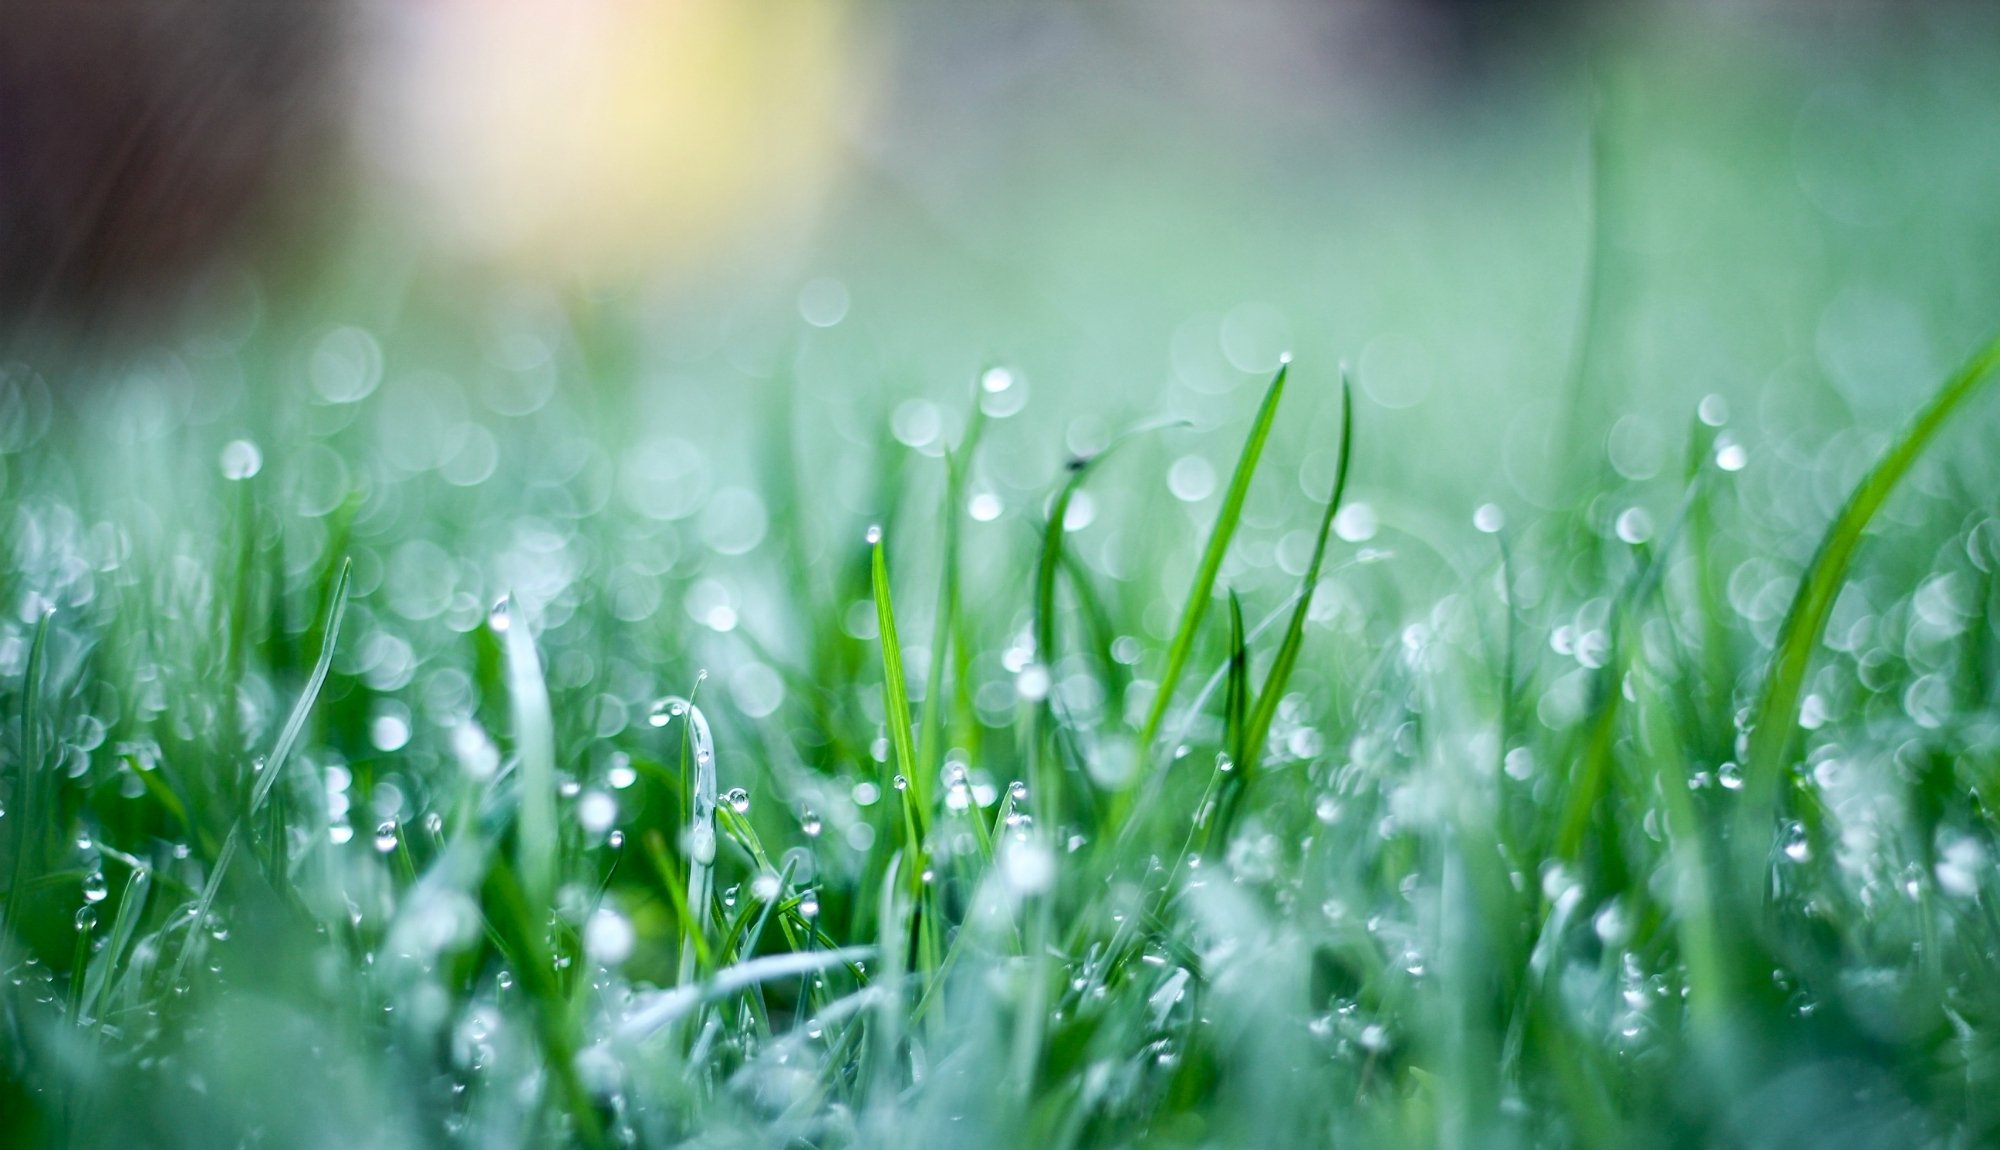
[810,824]
[499,616]
[738,800]
[873,535]
[241,459]
[94,887]
[385,837]
[1489,518]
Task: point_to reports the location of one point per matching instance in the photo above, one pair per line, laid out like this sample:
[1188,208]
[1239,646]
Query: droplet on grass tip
[499,616]
[738,800]
[873,535]
[1488,518]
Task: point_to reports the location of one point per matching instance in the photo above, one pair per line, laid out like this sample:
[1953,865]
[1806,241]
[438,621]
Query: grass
[1471,872]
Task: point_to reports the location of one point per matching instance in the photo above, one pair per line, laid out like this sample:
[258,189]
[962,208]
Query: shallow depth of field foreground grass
[358,794]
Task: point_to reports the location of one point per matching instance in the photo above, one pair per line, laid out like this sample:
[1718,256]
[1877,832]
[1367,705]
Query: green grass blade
[287,739]
[895,684]
[1287,659]
[535,744]
[1226,519]
[1776,716]
[295,723]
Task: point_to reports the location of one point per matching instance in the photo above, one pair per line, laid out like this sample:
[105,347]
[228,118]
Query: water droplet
[499,616]
[900,783]
[1713,410]
[1191,479]
[1795,845]
[596,811]
[1489,518]
[1730,776]
[701,843]
[1018,791]
[385,837]
[86,918]
[241,459]
[873,535]
[1225,764]
[1033,683]
[765,886]
[666,710]
[984,507]
[608,937]
[1027,868]
[1634,526]
[1731,456]
[616,839]
[809,904]
[94,887]
[621,774]
[810,824]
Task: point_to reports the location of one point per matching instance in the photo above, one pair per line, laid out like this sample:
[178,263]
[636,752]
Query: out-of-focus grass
[1036,792]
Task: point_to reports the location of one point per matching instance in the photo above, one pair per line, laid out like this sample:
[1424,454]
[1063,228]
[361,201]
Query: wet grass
[413,819]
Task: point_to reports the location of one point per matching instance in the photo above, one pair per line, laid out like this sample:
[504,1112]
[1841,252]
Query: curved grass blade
[288,738]
[1051,560]
[1776,716]
[295,724]
[1211,559]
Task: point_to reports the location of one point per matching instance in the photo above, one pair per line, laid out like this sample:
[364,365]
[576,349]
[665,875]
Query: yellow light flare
[610,137]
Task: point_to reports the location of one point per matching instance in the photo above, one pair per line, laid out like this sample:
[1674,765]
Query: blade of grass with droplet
[1775,719]
[1050,560]
[131,904]
[1287,658]
[1226,519]
[895,686]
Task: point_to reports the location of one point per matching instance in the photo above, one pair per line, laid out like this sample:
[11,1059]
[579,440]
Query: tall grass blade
[535,745]
[1775,718]
[1258,726]
[1226,519]
[895,685]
